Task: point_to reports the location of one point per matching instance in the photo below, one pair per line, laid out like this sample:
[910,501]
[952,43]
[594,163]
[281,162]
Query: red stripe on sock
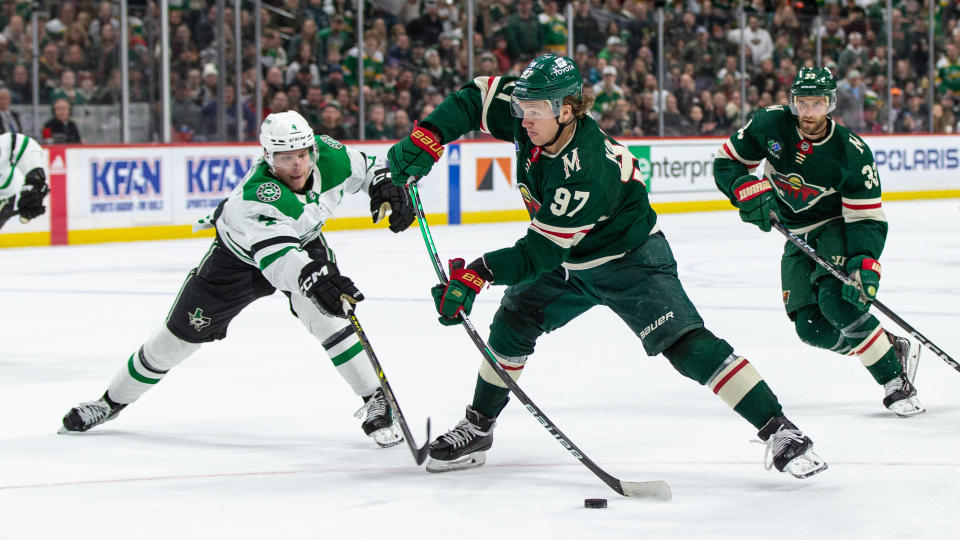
[876,334]
[723,381]
[510,368]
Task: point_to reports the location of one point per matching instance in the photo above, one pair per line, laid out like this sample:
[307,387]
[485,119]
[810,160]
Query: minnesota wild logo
[532,205]
[268,192]
[197,320]
[797,193]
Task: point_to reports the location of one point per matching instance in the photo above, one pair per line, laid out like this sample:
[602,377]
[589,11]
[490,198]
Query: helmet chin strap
[560,129]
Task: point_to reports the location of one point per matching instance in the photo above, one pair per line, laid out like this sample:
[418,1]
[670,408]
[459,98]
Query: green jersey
[587,202]
[265,224]
[814,182]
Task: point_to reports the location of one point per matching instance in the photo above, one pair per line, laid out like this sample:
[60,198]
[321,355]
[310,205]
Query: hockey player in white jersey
[23,179]
[268,238]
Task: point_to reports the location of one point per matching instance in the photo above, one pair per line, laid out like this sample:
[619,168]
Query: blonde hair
[580,105]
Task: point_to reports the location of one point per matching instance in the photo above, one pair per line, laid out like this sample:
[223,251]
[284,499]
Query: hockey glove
[30,203]
[865,271]
[321,282]
[386,197]
[458,294]
[755,200]
[414,156]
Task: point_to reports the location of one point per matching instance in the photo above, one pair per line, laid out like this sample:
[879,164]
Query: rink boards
[140,192]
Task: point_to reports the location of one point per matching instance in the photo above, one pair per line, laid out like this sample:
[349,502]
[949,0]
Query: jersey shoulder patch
[333,162]
[262,188]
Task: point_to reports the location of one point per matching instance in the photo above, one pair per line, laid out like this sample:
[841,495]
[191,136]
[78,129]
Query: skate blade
[905,408]
[806,465]
[469,461]
[387,437]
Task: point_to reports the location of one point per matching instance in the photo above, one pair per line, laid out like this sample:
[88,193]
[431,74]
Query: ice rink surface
[253,437]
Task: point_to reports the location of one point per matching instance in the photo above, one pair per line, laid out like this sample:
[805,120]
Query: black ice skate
[378,420]
[90,413]
[900,396]
[464,446]
[789,450]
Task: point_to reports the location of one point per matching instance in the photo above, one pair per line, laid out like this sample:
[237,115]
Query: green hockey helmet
[817,81]
[548,78]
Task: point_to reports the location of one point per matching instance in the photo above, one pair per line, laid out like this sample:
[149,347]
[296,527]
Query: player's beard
[813,127]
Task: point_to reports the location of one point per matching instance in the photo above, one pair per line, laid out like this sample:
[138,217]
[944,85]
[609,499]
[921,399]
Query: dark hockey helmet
[816,81]
[547,78]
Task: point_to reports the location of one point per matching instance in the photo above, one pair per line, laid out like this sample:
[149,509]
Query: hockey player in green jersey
[593,240]
[267,238]
[821,181]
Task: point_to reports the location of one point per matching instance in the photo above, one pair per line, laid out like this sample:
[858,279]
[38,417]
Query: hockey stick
[839,274]
[419,454]
[656,488]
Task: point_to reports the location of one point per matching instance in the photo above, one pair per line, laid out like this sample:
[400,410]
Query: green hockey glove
[414,156]
[755,200]
[458,293]
[866,273]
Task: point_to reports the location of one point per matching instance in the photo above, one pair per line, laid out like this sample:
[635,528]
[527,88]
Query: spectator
[279,103]
[335,37]
[50,70]
[9,119]
[427,28]
[674,123]
[211,78]
[850,97]
[68,89]
[20,90]
[210,111]
[309,35]
[758,40]
[376,128]
[553,27]
[103,18]
[401,124]
[440,77]
[185,113]
[304,59]
[607,92]
[587,29]
[331,123]
[61,129]
[524,34]
[313,108]
[399,50]
[855,56]
[372,64]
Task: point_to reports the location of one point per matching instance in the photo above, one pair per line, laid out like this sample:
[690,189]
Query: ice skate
[379,422]
[901,397]
[789,450]
[464,446]
[90,413]
[908,352]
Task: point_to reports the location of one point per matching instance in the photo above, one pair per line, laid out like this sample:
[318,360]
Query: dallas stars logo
[268,192]
[197,320]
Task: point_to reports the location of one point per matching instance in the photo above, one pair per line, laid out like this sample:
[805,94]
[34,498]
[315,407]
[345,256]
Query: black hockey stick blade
[419,453]
[842,276]
[658,488]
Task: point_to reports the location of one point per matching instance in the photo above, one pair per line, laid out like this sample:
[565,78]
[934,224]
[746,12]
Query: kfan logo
[125,177]
[215,175]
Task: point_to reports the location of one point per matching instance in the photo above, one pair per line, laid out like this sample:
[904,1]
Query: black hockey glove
[321,282]
[384,197]
[30,203]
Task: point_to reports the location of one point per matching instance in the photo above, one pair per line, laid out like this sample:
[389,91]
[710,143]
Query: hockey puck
[594,503]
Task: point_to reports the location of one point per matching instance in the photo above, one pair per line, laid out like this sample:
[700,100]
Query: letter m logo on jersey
[797,193]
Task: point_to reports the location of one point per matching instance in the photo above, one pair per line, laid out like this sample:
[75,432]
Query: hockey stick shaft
[842,276]
[419,454]
[658,489]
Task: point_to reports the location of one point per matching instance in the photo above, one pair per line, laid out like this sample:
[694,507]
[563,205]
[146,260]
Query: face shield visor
[812,105]
[536,109]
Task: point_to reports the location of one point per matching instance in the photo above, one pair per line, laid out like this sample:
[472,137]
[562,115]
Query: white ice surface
[253,437]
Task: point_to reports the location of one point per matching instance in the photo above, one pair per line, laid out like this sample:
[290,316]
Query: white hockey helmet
[285,131]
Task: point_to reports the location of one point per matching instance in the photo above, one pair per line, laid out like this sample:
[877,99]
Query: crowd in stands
[415,53]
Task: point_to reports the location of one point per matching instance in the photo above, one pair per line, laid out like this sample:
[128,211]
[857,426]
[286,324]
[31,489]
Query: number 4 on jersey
[629,168]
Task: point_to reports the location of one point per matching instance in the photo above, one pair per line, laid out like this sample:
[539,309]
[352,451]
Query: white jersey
[19,155]
[265,224]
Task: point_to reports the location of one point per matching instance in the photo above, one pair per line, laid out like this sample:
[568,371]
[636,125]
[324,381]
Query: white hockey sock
[347,354]
[148,365]
[513,365]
